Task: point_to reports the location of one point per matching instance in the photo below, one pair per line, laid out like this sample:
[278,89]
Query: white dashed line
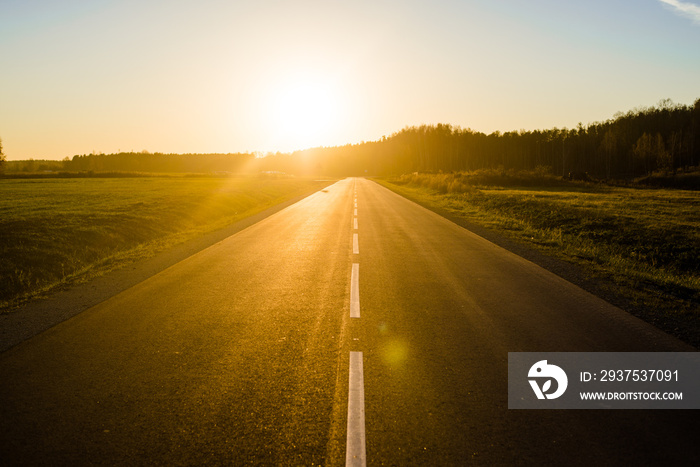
[356,454]
[356,451]
[355,291]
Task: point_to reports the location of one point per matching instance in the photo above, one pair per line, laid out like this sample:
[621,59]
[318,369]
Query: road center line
[355,244]
[356,452]
[355,211]
[355,291]
[355,223]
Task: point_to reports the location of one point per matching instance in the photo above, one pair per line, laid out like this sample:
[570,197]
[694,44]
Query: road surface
[351,327]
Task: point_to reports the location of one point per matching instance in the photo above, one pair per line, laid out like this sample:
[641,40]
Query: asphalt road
[241,354]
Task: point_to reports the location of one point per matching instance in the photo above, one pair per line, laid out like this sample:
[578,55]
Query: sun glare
[303,110]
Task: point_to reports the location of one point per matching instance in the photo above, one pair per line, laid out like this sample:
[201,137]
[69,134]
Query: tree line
[642,141]
[665,137]
[142,162]
[158,162]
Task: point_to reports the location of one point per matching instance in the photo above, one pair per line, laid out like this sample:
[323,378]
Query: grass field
[56,232]
[643,244]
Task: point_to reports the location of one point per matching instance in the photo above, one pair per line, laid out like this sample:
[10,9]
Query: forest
[661,138]
[630,145]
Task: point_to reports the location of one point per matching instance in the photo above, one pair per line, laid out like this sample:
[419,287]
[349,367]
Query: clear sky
[78,76]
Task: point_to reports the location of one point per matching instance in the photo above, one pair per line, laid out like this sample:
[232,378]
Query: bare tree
[2,158]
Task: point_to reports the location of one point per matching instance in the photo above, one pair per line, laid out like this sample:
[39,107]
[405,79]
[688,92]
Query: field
[642,245]
[58,232]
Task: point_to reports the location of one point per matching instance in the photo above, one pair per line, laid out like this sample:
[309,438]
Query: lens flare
[395,352]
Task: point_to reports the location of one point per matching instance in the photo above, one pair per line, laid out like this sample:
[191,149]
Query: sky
[202,76]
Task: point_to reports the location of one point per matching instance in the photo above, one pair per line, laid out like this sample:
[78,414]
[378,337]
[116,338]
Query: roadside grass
[59,232]
[643,245]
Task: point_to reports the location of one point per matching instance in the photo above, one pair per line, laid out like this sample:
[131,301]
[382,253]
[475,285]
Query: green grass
[57,232]
[643,244]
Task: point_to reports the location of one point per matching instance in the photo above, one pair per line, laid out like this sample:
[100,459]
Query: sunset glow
[302,110]
[82,76]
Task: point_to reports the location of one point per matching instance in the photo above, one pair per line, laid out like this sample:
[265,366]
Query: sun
[303,111]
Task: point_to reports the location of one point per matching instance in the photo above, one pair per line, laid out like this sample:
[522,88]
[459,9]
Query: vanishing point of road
[353,327]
